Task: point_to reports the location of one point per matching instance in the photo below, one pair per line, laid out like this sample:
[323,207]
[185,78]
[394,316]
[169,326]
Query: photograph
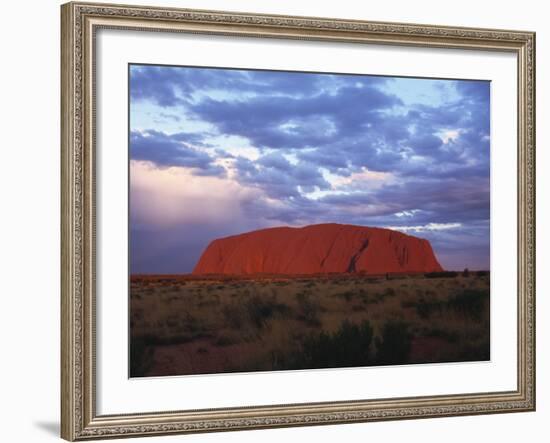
[286,220]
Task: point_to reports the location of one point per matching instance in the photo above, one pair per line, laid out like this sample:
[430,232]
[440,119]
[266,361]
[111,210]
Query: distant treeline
[175,278]
[452,274]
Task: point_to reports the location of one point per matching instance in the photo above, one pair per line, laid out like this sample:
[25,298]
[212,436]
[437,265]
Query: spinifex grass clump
[394,346]
[349,346]
[469,302]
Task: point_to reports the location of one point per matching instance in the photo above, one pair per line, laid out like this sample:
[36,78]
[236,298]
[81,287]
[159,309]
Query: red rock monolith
[314,249]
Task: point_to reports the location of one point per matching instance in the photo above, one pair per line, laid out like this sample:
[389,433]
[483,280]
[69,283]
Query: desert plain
[188,324]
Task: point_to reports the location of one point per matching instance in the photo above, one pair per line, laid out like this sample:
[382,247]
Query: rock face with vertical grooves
[314,249]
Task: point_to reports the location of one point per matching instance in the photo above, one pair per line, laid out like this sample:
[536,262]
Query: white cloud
[364,179]
[409,213]
[427,227]
[291,157]
[357,182]
[448,135]
[234,145]
[321,125]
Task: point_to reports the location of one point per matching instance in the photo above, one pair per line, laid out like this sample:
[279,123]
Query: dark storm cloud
[171,85]
[172,150]
[437,201]
[474,91]
[350,115]
[295,123]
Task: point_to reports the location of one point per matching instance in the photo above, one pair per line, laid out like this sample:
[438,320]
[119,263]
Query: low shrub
[256,311]
[441,274]
[262,309]
[348,295]
[225,340]
[259,311]
[425,309]
[394,345]
[308,309]
[450,336]
[141,357]
[470,302]
[350,345]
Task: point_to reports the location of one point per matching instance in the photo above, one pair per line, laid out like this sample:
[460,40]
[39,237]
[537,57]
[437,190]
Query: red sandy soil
[203,357]
[200,357]
[426,349]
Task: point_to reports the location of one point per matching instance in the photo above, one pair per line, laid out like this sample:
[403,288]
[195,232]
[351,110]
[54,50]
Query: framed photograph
[282,221]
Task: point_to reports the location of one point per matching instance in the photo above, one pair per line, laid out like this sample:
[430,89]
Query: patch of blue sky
[146,115]
[420,91]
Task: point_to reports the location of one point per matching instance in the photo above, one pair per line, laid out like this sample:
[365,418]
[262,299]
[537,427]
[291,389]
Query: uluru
[315,249]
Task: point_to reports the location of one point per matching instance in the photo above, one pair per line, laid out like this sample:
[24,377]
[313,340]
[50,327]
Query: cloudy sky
[216,152]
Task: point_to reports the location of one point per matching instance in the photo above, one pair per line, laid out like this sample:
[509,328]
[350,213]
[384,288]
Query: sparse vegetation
[394,344]
[441,274]
[141,357]
[308,308]
[469,302]
[349,346]
[260,310]
[183,325]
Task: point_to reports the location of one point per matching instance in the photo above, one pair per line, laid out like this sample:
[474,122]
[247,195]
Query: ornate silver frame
[80,21]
